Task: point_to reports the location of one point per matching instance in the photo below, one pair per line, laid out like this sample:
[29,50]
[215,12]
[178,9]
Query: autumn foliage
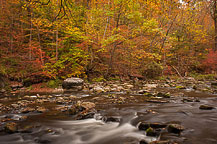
[64,38]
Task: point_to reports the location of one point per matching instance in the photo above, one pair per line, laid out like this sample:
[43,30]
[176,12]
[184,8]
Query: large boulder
[73,84]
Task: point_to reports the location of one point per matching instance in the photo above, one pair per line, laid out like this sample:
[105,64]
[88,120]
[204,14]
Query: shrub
[53,83]
[152,70]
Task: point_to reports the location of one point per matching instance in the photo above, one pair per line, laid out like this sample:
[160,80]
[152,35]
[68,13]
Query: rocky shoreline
[17,109]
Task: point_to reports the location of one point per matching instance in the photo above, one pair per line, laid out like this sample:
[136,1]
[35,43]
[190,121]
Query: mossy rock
[206,107]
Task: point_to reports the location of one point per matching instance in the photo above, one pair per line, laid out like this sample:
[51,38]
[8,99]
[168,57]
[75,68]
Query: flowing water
[200,125]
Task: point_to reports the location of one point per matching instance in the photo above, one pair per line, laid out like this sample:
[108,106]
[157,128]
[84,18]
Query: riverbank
[114,102]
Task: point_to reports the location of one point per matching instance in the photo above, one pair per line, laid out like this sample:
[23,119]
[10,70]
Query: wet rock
[26,97]
[75,109]
[142,92]
[194,87]
[16,86]
[27,110]
[72,97]
[145,125]
[162,142]
[73,84]
[60,102]
[15,117]
[41,109]
[98,89]
[111,119]
[15,105]
[41,141]
[11,127]
[85,115]
[120,88]
[164,95]
[180,87]
[87,105]
[213,84]
[128,86]
[107,89]
[196,100]
[26,129]
[59,90]
[206,107]
[175,128]
[143,142]
[152,132]
[190,99]
[150,86]
[62,108]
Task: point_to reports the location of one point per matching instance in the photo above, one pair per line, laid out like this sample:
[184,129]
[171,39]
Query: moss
[180,87]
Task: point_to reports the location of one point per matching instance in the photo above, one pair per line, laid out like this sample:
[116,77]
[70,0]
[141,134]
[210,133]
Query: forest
[108,71]
[57,39]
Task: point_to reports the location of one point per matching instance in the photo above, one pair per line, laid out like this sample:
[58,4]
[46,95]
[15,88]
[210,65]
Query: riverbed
[115,119]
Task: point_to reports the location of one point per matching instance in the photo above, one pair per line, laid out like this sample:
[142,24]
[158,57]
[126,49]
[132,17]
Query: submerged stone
[85,115]
[143,142]
[111,119]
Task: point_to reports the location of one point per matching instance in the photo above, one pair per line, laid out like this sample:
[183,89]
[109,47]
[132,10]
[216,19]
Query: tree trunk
[30,37]
[57,38]
[215,22]
[11,35]
[40,48]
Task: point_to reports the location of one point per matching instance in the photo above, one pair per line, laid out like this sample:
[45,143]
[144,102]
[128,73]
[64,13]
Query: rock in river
[145,125]
[175,128]
[87,105]
[111,119]
[73,84]
[41,110]
[152,132]
[27,110]
[10,127]
[162,142]
[206,107]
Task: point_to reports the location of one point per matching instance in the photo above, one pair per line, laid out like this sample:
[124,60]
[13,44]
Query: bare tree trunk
[11,35]
[215,22]
[40,48]
[113,49]
[57,44]
[106,27]
[57,38]
[30,37]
